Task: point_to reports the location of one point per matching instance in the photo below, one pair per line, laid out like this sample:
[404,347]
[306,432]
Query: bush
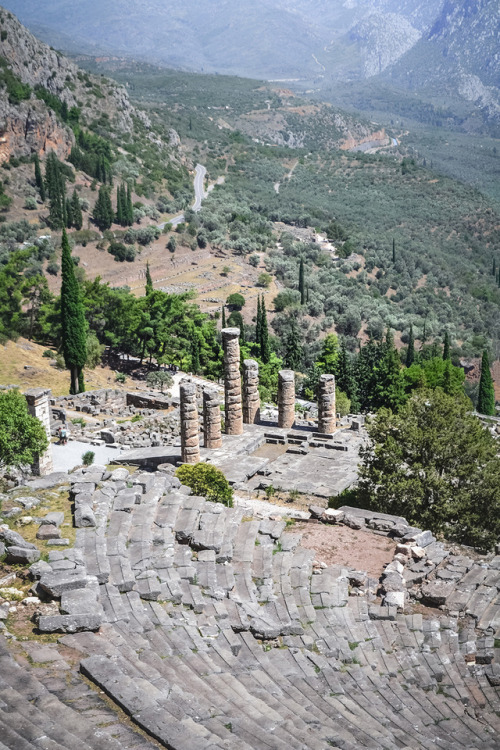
[342,404]
[49,354]
[254,260]
[208,481]
[94,351]
[121,252]
[236,300]
[88,458]
[264,280]
[30,203]
[120,377]
[53,268]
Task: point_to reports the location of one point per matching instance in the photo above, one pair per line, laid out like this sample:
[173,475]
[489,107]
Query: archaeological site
[137,614]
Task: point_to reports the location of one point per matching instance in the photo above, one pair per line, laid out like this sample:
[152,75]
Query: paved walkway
[66,457]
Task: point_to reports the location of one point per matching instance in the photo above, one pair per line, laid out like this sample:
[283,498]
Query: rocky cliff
[29,125]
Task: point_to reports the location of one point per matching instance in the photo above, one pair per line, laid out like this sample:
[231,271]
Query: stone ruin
[213,628]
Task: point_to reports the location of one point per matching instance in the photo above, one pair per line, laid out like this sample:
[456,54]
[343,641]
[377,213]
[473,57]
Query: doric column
[286,398]
[190,439]
[251,398]
[38,400]
[211,419]
[326,404]
[232,381]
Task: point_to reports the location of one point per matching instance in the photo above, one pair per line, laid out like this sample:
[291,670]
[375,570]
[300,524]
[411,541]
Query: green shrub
[88,458]
[208,481]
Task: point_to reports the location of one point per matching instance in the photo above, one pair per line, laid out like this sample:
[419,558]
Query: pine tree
[38,178]
[76,211]
[393,250]
[486,396]
[265,351]
[446,346]
[73,326]
[223,316]
[149,280]
[410,354]
[302,288]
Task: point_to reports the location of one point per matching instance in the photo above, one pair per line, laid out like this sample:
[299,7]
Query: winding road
[199,193]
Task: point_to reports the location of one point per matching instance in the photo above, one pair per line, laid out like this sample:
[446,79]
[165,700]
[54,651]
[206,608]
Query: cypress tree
[344,378]
[149,280]
[76,211]
[265,352]
[486,396]
[258,324]
[103,210]
[446,346]
[389,387]
[393,250]
[223,316]
[38,178]
[69,213]
[447,384]
[195,353]
[293,349]
[494,269]
[119,206]
[410,354]
[73,326]
[130,208]
[302,288]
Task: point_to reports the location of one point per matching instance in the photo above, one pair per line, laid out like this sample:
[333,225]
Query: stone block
[395,599]
[53,519]
[437,592]
[69,623]
[22,555]
[84,517]
[47,531]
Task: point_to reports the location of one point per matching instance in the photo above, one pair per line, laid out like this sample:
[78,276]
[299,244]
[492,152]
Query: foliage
[88,458]
[436,465]
[94,351]
[159,379]
[103,214]
[486,395]
[236,300]
[17,91]
[22,436]
[208,481]
[342,403]
[73,326]
[122,252]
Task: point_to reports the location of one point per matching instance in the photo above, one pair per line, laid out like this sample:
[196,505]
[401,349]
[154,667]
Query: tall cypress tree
[302,287]
[149,280]
[486,396]
[120,218]
[130,208]
[293,349]
[410,354]
[258,323]
[38,178]
[344,378]
[494,268]
[73,326]
[223,316]
[446,346]
[389,387]
[69,213]
[195,353]
[76,211]
[103,214]
[265,351]
[393,250]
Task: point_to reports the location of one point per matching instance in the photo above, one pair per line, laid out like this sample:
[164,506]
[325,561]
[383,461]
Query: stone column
[286,398]
[211,419]
[326,404]
[251,398]
[190,439]
[232,381]
[38,400]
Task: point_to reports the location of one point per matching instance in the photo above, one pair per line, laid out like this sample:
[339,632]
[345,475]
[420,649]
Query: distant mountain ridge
[446,46]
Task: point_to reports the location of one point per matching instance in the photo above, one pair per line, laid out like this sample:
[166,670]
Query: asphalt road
[199,194]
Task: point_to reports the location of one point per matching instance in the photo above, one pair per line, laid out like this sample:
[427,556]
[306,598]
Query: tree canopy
[435,464]
[22,436]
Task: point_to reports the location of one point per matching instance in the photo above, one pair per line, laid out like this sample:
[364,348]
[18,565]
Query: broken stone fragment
[22,555]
